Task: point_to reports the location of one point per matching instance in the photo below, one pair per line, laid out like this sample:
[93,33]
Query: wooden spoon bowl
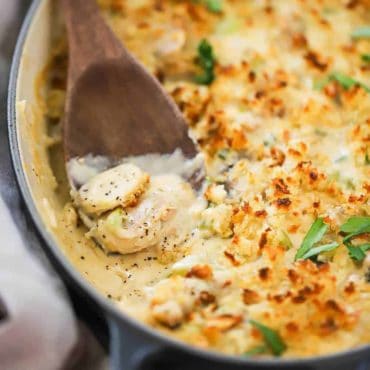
[114,107]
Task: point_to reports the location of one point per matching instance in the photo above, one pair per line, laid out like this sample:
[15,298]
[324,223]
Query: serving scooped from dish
[270,256]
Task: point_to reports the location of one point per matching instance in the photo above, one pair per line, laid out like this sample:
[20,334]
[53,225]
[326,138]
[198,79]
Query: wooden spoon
[114,107]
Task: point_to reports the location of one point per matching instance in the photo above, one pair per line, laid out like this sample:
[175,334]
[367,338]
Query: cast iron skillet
[134,346]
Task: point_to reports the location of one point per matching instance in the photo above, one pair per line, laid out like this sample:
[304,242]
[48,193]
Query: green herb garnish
[367,158]
[271,337]
[365,58]
[347,82]
[321,83]
[341,158]
[361,33]
[367,275]
[285,240]
[256,350]
[214,5]
[321,248]
[116,218]
[358,252]
[209,180]
[355,226]
[313,236]
[350,184]
[320,132]
[223,153]
[206,61]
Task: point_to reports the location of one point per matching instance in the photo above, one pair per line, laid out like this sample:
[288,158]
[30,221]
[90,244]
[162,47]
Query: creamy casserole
[271,257]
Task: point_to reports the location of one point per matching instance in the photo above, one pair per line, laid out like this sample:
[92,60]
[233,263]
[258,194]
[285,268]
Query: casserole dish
[133,345]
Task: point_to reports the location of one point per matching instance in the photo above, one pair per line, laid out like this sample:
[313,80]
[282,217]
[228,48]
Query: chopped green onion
[204,226]
[271,337]
[367,159]
[350,184]
[341,158]
[321,248]
[361,33]
[345,81]
[256,350]
[285,240]
[223,153]
[313,236]
[214,5]
[328,10]
[209,180]
[367,275]
[334,176]
[116,218]
[365,58]
[364,247]
[320,84]
[353,227]
[355,253]
[206,61]
[320,132]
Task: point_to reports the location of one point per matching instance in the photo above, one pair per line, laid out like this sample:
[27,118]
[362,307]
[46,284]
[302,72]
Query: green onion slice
[214,6]
[361,33]
[321,248]
[313,236]
[271,337]
[353,227]
[256,350]
[206,61]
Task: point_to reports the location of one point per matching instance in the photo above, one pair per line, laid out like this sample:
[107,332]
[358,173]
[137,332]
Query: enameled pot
[133,346]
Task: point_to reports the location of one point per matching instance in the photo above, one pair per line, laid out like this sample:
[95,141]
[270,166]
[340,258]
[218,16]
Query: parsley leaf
[256,350]
[206,61]
[313,236]
[271,338]
[367,159]
[361,33]
[321,248]
[365,58]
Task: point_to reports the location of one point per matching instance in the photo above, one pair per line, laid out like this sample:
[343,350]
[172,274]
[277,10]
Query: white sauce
[83,169]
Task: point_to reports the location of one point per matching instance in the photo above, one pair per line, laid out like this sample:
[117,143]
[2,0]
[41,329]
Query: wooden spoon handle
[90,38]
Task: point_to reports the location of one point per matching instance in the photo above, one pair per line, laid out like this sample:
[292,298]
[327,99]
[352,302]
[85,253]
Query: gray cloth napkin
[38,330]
